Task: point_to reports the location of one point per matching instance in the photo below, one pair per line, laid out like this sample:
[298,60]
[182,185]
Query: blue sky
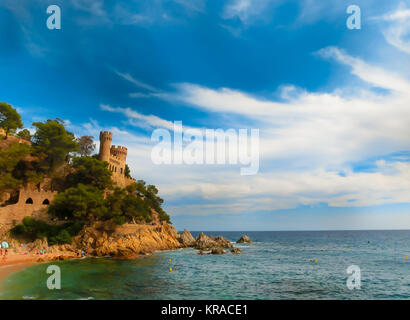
[332,104]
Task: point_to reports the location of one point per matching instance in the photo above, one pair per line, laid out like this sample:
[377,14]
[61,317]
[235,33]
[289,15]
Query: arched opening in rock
[29,201]
[46,202]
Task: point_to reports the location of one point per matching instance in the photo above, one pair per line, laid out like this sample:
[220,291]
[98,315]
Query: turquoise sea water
[256,274]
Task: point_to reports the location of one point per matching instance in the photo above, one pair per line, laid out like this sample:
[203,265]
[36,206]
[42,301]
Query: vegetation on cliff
[55,234]
[86,190]
[10,119]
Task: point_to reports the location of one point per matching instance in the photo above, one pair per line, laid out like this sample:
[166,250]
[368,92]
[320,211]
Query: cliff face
[102,239]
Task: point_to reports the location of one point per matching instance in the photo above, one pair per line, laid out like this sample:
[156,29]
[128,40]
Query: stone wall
[31,199]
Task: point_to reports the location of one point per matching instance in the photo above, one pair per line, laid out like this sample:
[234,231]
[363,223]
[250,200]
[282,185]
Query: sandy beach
[16,262]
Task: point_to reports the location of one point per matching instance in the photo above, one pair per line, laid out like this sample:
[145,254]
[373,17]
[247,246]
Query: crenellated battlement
[105,136]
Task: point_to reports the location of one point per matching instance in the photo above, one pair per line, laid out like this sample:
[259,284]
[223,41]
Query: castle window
[121,170]
[29,201]
[46,202]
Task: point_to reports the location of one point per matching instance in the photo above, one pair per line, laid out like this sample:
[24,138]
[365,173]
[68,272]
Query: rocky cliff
[102,239]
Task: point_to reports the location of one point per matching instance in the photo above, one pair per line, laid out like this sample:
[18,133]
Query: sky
[332,104]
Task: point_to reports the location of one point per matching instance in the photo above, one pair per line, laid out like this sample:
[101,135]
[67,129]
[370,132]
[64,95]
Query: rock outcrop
[204,242]
[127,241]
[187,239]
[217,251]
[124,242]
[236,251]
[244,239]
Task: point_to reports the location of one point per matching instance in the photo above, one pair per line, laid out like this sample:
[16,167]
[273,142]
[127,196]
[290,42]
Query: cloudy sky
[332,104]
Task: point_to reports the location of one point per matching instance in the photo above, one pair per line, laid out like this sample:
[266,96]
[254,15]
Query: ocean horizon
[277,265]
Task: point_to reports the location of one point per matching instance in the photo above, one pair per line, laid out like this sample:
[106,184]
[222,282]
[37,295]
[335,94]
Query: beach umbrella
[4,245]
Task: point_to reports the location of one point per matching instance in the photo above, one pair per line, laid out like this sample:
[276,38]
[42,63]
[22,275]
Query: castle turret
[105,145]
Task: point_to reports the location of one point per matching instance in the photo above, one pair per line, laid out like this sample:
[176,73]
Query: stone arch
[46,202]
[29,201]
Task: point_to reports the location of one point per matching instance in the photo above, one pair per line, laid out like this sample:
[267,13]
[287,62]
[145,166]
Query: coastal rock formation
[244,239]
[204,242]
[187,239]
[236,251]
[217,251]
[127,241]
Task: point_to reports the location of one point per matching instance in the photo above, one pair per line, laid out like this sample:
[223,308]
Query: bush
[55,234]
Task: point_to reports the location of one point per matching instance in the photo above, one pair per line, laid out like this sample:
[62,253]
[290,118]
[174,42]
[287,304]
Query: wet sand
[16,262]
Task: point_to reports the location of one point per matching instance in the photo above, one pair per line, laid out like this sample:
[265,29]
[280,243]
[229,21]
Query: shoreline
[17,262]
[15,265]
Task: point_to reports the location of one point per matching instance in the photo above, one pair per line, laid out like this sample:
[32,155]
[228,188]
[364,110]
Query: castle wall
[30,200]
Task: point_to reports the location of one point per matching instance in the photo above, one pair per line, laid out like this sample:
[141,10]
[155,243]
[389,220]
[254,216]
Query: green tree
[24,134]
[10,119]
[127,171]
[90,171]
[86,145]
[124,206]
[83,203]
[53,143]
[9,159]
[150,194]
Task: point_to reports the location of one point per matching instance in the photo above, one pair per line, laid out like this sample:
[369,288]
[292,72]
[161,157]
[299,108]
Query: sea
[277,265]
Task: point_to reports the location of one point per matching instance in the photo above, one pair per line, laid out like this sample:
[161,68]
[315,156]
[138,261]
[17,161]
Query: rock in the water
[222,242]
[217,251]
[244,239]
[187,239]
[236,251]
[204,242]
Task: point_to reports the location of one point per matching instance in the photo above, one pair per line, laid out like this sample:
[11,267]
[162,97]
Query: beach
[17,261]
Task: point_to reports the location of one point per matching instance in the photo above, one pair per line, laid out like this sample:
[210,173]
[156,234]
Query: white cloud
[245,10]
[397,31]
[140,119]
[373,75]
[192,5]
[136,82]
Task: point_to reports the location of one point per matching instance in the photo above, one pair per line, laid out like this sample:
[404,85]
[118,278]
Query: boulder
[217,251]
[236,251]
[244,239]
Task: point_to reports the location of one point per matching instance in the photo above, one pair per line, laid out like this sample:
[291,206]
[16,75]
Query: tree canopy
[9,158]
[86,145]
[79,203]
[90,171]
[52,142]
[10,119]
[24,134]
[127,171]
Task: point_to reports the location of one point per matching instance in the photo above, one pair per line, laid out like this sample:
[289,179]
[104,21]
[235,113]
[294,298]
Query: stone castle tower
[116,158]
